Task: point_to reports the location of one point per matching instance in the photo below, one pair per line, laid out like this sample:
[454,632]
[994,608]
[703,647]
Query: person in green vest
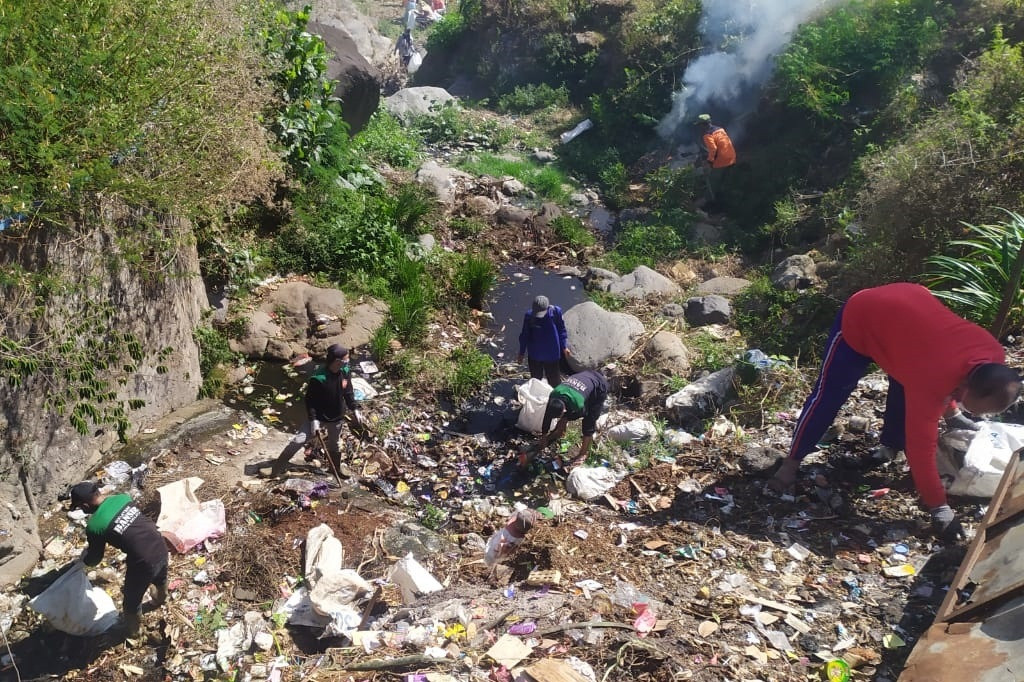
[328,394]
[579,396]
[116,520]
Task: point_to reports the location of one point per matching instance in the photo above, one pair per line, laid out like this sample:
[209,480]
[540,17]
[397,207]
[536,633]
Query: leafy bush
[956,167]
[409,314]
[380,342]
[470,369]
[973,281]
[447,33]
[386,140]
[447,125]
[572,230]
[790,323]
[411,203]
[615,185]
[527,98]
[475,276]
[102,96]
[859,49]
[467,227]
[640,244]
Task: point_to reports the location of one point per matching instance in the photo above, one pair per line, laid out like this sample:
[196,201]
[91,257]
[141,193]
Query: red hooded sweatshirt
[930,350]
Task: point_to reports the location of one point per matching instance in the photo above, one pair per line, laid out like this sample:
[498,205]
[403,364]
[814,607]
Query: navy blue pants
[841,369]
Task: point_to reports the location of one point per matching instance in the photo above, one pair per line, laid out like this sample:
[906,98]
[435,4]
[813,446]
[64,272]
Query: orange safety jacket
[719,146]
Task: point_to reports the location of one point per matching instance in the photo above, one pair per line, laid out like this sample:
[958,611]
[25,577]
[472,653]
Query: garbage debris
[633,431]
[413,579]
[533,396]
[186,522]
[511,535]
[72,605]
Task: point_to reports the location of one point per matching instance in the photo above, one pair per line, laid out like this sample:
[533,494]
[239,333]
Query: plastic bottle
[505,539]
[581,127]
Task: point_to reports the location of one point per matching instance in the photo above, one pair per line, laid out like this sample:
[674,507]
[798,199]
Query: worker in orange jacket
[717,143]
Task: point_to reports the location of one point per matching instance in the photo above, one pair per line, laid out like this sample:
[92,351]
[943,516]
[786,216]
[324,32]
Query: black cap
[336,351]
[82,493]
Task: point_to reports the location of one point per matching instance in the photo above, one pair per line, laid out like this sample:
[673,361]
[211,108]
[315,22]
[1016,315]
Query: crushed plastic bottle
[505,539]
[570,135]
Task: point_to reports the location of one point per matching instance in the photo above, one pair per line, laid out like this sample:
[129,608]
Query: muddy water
[511,298]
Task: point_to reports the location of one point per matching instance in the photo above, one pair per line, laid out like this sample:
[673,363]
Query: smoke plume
[744,36]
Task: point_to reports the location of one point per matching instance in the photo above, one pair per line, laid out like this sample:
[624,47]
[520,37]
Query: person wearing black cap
[581,395]
[328,392]
[115,519]
[544,340]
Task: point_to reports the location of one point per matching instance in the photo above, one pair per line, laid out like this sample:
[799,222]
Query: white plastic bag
[74,606]
[415,62]
[183,520]
[413,579]
[324,553]
[586,483]
[533,395]
[987,457]
[633,431]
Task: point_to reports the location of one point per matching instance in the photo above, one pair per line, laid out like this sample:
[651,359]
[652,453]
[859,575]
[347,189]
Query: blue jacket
[544,339]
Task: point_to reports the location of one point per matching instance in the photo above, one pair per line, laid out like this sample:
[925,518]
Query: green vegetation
[474,277]
[792,323]
[712,353]
[547,181]
[468,369]
[528,98]
[643,244]
[214,358]
[572,230]
[973,281]
[386,140]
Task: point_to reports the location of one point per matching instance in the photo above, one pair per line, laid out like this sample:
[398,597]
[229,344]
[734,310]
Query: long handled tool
[322,444]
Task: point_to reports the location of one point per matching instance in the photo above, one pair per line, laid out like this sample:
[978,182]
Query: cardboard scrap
[786,608]
[553,670]
[539,578]
[509,651]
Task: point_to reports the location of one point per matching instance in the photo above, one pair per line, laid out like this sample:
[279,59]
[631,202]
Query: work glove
[945,524]
[314,426]
[357,417]
[958,420]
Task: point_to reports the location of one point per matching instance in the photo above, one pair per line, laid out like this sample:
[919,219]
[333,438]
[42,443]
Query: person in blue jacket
[544,340]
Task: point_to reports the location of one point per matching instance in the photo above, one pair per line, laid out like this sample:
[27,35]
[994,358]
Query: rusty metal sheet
[978,633]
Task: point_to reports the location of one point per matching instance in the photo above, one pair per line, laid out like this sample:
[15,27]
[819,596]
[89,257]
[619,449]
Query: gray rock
[668,352]
[759,459]
[361,322]
[481,206]
[407,104]
[578,198]
[362,30]
[643,283]
[673,311]
[259,330]
[548,212]
[706,233]
[702,310]
[512,187]
[701,399]
[427,242]
[599,278]
[512,215]
[421,248]
[796,272]
[723,286]
[601,219]
[442,181]
[543,156]
[358,81]
[597,335]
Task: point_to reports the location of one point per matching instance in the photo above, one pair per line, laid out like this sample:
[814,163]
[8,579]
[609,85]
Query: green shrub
[474,277]
[640,244]
[467,227]
[409,314]
[386,140]
[972,282]
[572,230]
[380,342]
[862,48]
[789,323]
[527,98]
[411,204]
[214,357]
[447,125]
[470,369]
[615,185]
[607,300]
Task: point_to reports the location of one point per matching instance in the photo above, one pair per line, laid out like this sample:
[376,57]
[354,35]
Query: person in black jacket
[117,520]
[580,396]
[328,393]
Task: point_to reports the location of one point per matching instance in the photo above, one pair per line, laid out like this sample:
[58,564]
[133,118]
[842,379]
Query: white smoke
[744,37]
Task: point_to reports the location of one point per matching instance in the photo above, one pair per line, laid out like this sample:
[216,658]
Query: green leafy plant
[386,140]
[548,181]
[380,342]
[467,227]
[572,230]
[474,277]
[607,300]
[412,203]
[470,369]
[433,517]
[789,323]
[526,98]
[641,244]
[973,281]
[214,357]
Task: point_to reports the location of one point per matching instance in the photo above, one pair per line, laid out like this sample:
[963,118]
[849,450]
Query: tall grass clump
[475,276]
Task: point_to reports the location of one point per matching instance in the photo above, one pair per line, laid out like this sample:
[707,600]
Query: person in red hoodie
[933,359]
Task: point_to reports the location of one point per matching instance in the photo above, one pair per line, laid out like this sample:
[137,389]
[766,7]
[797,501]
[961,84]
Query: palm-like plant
[983,281]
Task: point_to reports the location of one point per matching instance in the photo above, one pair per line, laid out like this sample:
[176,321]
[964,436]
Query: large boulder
[667,352]
[361,29]
[358,81]
[410,103]
[444,182]
[597,335]
[297,317]
[796,272]
[642,283]
[704,310]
